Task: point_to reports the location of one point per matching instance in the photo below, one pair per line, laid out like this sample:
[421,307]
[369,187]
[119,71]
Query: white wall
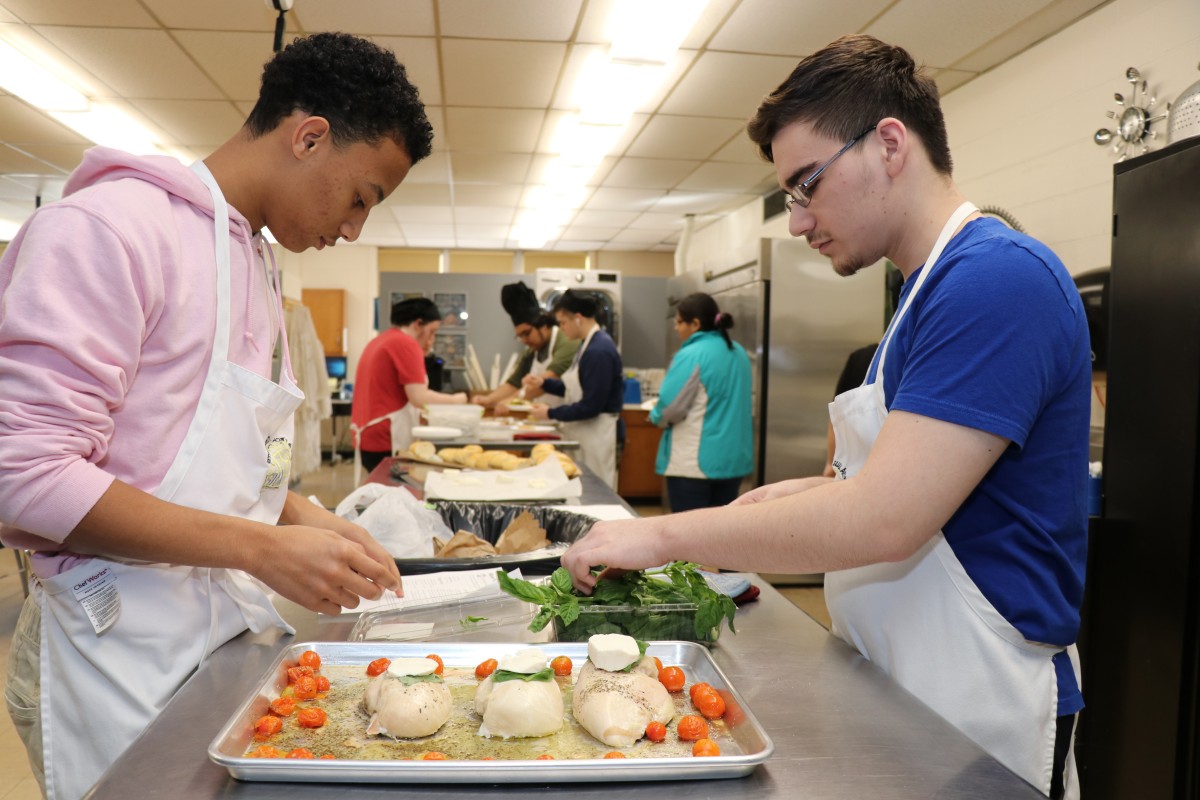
[1021,135]
[354,269]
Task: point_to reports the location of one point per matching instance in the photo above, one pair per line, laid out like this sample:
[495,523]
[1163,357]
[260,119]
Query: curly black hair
[357,85]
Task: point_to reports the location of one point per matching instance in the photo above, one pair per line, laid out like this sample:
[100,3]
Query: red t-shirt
[388,362]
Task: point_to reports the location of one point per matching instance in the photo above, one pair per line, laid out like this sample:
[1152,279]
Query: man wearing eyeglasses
[954,535]
[546,352]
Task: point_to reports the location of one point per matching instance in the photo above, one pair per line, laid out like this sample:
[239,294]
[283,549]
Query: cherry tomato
[266,751]
[301,752]
[267,726]
[309,658]
[706,747]
[440,666]
[310,718]
[296,673]
[672,678]
[322,684]
[709,703]
[696,687]
[433,755]
[561,665]
[378,666]
[656,732]
[283,706]
[657,663]
[692,728]
[306,687]
[614,754]
[485,668]
[545,757]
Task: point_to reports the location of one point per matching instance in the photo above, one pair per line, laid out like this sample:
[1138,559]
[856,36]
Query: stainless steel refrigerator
[798,321]
[1140,644]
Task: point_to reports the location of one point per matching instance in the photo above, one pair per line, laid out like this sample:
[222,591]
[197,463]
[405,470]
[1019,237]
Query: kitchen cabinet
[636,476]
[328,307]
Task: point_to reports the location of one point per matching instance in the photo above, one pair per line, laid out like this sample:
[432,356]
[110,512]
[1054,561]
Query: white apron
[165,619]
[926,623]
[541,367]
[400,423]
[597,436]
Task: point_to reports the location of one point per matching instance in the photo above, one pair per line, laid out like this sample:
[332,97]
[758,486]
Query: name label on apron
[98,595]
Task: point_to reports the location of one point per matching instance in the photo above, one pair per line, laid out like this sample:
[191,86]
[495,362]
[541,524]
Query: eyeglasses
[802,194]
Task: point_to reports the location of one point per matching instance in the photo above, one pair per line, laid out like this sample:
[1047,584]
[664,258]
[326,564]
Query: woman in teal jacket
[704,404]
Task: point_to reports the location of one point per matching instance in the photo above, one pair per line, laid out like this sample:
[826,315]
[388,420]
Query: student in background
[548,352]
[593,388]
[704,404]
[391,386]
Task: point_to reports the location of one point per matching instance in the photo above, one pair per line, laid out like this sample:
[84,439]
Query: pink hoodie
[107,308]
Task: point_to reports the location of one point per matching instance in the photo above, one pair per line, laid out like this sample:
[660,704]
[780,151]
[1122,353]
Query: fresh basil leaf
[467,622]
[560,579]
[521,589]
[568,613]
[502,675]
[542,619]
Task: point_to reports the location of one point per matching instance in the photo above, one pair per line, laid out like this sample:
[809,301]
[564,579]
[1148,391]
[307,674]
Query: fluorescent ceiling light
[651,30]
[103,123]
[28,80]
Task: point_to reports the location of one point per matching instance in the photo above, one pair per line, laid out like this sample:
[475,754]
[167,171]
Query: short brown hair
[848,86]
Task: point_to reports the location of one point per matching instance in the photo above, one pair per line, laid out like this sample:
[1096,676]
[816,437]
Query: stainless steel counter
[842,729]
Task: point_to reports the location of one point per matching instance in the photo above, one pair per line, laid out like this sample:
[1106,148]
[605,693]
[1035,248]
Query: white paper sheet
[438,588]
[546,481]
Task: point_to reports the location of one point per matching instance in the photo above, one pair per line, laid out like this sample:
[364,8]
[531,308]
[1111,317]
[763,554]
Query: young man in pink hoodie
[144,439]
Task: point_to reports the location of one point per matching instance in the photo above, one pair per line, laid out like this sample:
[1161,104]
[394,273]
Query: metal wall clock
[1134,120]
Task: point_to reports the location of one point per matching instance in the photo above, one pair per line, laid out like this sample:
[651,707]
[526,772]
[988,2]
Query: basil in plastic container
[671,603]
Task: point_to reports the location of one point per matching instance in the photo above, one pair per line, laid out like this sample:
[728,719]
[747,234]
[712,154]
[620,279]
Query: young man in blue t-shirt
[954,533]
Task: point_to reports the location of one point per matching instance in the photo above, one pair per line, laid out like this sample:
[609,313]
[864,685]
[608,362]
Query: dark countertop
[842,729]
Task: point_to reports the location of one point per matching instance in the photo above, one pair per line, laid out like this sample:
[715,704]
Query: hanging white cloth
[308,365]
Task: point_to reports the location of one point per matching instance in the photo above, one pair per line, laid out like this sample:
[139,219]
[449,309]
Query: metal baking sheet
[743,742]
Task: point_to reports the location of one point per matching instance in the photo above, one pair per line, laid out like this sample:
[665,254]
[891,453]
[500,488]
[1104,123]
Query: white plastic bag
[397,520]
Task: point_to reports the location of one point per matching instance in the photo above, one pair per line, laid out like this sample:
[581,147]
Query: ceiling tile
[590,232]
[801,26]
[234,61]
[604,219]
[1052,18]
[431,242]
[433,169]
[103,52]
[419,194]
[413,215]
[648,173]
[16,162]
[694,202]
[493,130]
[420,60]
[576,246]
[739,150]
[22,124]
[367,17]
[112,13]
[635,236]
[492,196]
[193,123]
[727,85]
[542,20]
[500,74]
[477,232]
[682,137]
[489,167]
[62,157]
[426,230]
[606,199]
[714,177]
[948,80]
[961,27]
[465,216]
[656,221]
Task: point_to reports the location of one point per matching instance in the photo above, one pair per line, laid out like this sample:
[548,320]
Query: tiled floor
[329,485]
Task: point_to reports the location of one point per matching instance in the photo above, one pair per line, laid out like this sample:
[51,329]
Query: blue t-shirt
[997,340]
[600,380]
